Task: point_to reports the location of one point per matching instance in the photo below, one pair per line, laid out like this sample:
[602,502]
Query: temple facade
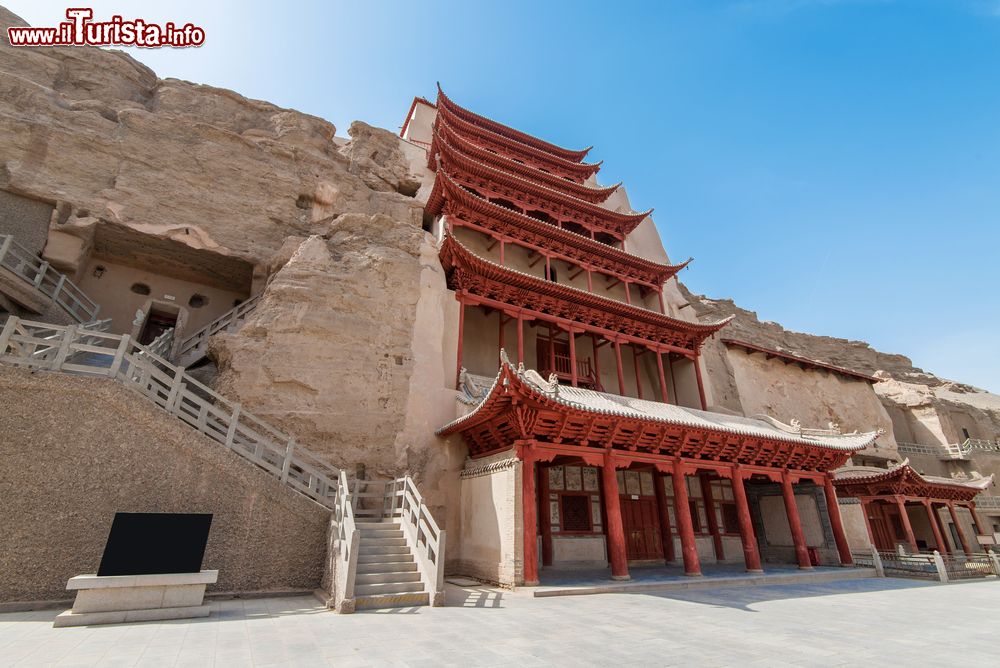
[580,388]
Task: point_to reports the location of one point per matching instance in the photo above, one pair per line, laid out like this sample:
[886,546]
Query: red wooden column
[613,512]
[529,503]
[635,364]
[663,510]
[868,524]
[597,360]
[621,375]
[751,555]
[958,528]
[836,522]
[546,512]
[907,527]
[938,538]
[713,521]
[701,385]
[682,511]
[663,381]
[794,522]
[980,529]
[945,545]
[572,358]
[461,332]
[663,307]
[520,338]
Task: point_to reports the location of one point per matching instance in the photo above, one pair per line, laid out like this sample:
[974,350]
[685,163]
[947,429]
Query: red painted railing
[561,366]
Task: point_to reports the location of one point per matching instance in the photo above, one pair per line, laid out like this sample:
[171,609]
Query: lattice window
[576,512]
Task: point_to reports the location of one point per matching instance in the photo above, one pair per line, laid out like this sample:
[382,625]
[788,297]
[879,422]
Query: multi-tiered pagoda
[600,392]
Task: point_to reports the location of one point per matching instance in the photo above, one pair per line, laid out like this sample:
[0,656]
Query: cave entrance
[156,324]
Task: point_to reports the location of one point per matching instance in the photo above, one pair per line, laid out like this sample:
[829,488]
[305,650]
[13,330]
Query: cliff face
[923,408]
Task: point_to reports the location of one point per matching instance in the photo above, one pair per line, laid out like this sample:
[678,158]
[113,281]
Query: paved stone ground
[857,622]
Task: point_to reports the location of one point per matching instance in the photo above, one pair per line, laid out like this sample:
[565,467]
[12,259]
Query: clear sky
[833,165]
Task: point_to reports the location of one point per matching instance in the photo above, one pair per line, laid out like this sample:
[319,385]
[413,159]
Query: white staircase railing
[197,342]
[425,539]
[961,450]
[349,541]
[53,284]
[84,351]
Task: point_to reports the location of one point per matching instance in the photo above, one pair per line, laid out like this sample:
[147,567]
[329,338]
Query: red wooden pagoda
[505,203]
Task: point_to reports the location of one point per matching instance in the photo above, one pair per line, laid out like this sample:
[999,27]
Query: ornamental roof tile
[903,471]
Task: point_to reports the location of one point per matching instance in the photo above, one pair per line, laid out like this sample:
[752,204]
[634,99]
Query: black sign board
[152,543]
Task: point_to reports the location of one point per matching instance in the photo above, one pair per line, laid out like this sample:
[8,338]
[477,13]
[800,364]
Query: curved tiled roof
[804,362]
[509,132]
[444,182]
[452,249]
[903,471]
[596,194]
[580,170]
[628,221]
[601,403]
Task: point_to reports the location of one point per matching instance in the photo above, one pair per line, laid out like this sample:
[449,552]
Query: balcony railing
[562,367]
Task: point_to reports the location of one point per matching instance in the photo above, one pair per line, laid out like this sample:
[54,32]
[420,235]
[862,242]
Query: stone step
[391,600]
[387,588]
[387,567]
[399,558]
[382,549]
[386,578]
[369,534]
[385,524]
[383,542]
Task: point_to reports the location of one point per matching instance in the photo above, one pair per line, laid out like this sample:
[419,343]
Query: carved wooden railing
[53,284]
[197,342]
[79,350]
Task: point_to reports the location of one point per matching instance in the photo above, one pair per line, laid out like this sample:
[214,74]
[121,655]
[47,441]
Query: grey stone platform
[579,582]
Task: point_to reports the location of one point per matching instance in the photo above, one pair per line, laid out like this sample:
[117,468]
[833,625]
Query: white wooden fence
[85,351]
[28,266]
[348,542]
[194,345]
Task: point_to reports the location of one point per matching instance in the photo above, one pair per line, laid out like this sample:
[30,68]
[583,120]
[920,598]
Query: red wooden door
[642,528]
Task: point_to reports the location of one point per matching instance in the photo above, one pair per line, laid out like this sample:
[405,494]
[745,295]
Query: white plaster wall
[488,548]
[579,549]
[853,517]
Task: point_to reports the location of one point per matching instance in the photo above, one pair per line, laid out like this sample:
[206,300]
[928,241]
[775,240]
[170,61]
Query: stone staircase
[193,348]
[387,575]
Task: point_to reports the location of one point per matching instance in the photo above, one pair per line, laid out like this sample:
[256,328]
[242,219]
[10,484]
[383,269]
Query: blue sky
[833,165]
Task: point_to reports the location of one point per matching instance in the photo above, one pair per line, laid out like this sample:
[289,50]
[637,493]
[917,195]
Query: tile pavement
[855,622]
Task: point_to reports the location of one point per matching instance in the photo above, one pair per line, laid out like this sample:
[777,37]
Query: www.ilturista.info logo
[80,31]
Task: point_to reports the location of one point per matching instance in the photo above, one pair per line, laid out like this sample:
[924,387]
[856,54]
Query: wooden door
[642,528]
[884,540]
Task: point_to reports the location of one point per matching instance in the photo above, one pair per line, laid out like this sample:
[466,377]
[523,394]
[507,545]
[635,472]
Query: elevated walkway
[32,283]
[193,349]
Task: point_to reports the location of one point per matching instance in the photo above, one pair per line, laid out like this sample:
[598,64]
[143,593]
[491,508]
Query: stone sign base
[136,598]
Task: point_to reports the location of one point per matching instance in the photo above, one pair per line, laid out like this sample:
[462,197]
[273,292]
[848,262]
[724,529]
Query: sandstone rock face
[100,135]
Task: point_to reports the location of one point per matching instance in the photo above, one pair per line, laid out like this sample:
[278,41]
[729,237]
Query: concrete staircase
[387,575]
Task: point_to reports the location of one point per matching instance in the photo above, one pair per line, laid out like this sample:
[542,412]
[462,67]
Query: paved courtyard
[857,622]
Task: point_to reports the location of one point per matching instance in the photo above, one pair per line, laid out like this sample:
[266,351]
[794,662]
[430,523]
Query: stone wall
[76,450]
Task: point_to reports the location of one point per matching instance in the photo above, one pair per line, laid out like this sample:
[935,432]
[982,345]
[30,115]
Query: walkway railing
[197,342]
[425,538]
[930,565]
[949,450]
[987,501]
[53,284]
[83,351]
